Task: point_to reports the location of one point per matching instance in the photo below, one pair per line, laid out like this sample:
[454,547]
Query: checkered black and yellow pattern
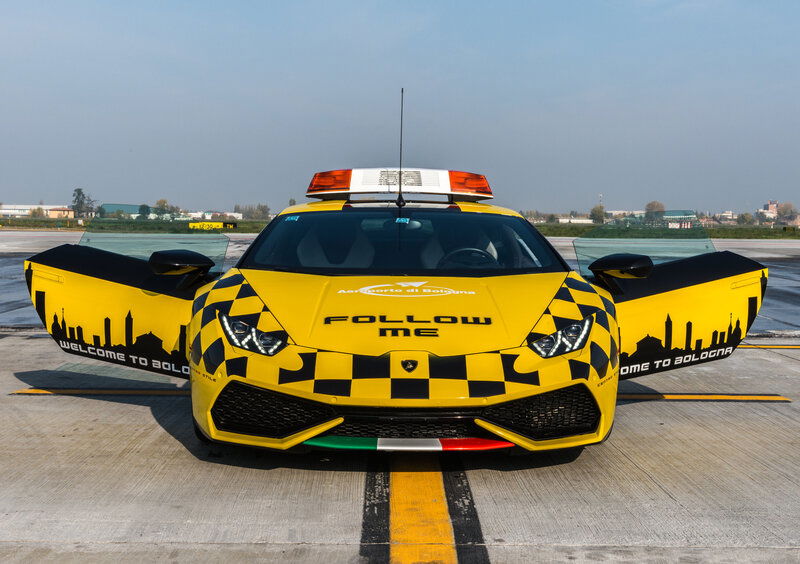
[359,379]
[233,296]
[574,301]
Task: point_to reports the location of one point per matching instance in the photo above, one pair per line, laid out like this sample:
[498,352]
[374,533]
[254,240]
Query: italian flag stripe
[365,443]
[353,443]
[473,444]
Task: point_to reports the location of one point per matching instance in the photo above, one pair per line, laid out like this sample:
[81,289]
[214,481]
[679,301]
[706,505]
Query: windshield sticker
[293,218]
[401,220]
[407,290]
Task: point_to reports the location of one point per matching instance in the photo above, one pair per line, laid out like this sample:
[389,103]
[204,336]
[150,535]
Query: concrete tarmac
[95,477]
[123,477]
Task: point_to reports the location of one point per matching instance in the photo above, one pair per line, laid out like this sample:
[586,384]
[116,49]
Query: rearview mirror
[180,261]
[621,265]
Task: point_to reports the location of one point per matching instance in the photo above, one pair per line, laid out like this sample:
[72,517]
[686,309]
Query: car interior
[381,242]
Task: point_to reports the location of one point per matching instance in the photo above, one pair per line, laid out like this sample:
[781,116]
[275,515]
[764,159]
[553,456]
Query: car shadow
[629,387]
[173,414]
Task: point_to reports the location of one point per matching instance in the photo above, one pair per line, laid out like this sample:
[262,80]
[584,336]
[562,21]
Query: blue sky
[207,104]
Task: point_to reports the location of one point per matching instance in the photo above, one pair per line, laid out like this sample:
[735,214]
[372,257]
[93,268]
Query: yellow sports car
[398,312]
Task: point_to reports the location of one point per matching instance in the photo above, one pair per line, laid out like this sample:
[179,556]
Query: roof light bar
[331,181]
[468,182]
[454,184]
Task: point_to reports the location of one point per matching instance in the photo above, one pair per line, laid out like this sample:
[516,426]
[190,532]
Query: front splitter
[370,443]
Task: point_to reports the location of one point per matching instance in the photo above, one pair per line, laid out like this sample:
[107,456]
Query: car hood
[372,315]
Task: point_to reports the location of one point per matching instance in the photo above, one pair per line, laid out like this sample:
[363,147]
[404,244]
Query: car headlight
[247,337]
[569,339]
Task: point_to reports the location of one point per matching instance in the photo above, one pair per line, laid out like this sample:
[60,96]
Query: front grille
[407,428]
[246,409]
[552,415]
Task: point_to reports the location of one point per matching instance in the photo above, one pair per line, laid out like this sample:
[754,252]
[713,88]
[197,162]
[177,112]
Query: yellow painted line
[419,522]
[703,397]
[98,392]
[769,346]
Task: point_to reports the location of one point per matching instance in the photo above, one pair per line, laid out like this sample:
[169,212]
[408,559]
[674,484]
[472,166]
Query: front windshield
[420,241]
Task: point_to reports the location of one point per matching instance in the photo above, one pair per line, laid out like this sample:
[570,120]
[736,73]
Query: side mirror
[621,265]
[180,262]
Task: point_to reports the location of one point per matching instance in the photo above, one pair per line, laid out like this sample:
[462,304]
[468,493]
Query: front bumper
[569,416]
[342,400]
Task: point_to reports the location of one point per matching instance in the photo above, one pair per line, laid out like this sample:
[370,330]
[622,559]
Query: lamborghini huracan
[398,311]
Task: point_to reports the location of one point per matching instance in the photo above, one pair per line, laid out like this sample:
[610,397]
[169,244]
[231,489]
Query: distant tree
[79,202]
[144,212]
[163,207]
[292,202]
[598,214]
[119,214]
[551,218]
[652,209]
[37,213]
[257,212]
[82,203]
[532,214]
[761,217]
[101,211]
[573,213]
[745,219]
[786,210]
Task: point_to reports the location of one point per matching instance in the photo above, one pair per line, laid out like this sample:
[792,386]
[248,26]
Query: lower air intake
[551,415]
[242,408]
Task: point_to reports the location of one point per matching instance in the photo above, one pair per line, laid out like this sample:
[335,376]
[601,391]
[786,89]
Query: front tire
[199,433]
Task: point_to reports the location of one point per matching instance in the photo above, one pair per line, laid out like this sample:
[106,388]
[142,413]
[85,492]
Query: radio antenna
[400,201]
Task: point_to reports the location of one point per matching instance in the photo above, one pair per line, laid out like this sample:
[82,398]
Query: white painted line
[409,444]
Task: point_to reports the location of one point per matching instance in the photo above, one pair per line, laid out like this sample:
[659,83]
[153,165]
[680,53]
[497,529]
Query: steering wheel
[471,257]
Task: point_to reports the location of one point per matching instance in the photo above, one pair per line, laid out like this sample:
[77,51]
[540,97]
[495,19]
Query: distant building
[582,220]
[680,219]
[671,219]
[132,211]
[624,213]
[24,210]
[211,214]
[128,209]
[62,212]
[770,209]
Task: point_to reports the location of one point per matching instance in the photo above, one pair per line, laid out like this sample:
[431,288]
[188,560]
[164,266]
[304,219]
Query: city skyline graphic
[147,345]
[651,348]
